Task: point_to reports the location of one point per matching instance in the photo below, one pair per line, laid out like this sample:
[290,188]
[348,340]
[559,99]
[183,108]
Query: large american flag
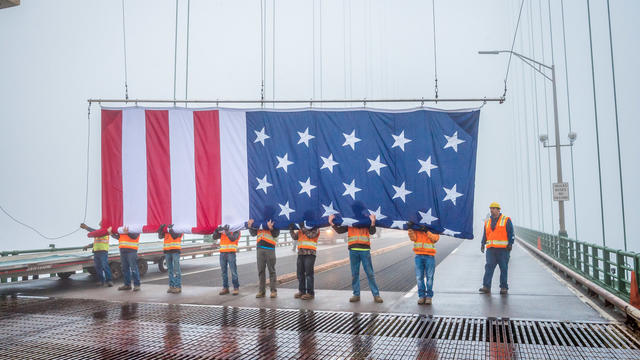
[199,168]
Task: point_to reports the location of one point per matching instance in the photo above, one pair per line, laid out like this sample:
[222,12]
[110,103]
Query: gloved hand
[292,227]
[423,228]
[482,248]
[509,247]
[301,225]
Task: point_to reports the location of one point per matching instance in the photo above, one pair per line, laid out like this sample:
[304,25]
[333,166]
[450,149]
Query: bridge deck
[540,318]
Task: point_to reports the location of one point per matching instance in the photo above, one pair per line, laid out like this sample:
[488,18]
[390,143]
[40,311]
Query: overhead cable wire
[435,56]
[515,33]
[175,55]
[538,155]
[595,116]
[186,81]
[566,78]
[262,50]
[273,54]
[546,115]
[615,102]
[124,46]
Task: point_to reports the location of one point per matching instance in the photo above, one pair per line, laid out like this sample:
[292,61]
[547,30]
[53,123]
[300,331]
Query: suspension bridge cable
[262,50]
[86,192]
[566,78]
[175,55]
[546,115]
[273,54]
[186,81]
[595,113]
[435,57]
[526,140]
[313,47]
[350,55]
[532,47]
[344,47]
[320,45]
[515,33]
[615,102]
[124,45]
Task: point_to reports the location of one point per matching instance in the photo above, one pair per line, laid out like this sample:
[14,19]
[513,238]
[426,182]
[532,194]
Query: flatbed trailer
[63,263]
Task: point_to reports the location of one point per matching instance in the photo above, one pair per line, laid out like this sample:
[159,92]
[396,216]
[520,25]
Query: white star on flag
[283,162]
[328,163]
[263,184]
[452,194]
[306,187]
[261,136]
[399,140]
[426,166]
[348,221]
[305,137]
[453,141]
[398,224]
[450,232]
[350,139]
[351,189]
[377,213]
[376,165]
[427,218]
[401,192]
[329,210]
[285,210]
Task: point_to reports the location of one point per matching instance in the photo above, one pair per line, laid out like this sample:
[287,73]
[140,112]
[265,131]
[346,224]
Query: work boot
[421,301]
[503,291]
[136,288]
[298,295]
[427,301]
[307,297]
[354,298]
[170,290]
[124,287]
[109,283]
[377,299]
[484,290]
[260,294]
[235,292]
[177,290]
[224,291]
[273,295]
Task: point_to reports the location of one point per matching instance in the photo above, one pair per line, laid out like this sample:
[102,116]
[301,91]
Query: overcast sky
[57,54]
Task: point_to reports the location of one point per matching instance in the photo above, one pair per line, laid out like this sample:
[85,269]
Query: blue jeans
[173,266]
[495,257]
[356,257]
[129,261]
[425,267]
[101,264]
[230,259]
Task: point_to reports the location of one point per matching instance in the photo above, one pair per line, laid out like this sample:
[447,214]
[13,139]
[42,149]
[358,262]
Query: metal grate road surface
[85,329]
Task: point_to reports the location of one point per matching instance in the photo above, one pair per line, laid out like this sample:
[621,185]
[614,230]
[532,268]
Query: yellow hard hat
[494,205]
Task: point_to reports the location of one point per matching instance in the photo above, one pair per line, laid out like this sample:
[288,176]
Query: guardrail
[607,267]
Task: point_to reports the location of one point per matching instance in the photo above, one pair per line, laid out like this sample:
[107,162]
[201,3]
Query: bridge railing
[607,267]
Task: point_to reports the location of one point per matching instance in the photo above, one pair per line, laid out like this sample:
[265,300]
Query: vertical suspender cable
[350,56]
[186,81]
[313,46]
[515,33]
[124,45]
[526,141]
[615,102]
[344,47]
[595,114]
[273,54]
[566,78]
[175,56]
[261,51]
[546,116]
[537,154]
[435,57]
[320,44]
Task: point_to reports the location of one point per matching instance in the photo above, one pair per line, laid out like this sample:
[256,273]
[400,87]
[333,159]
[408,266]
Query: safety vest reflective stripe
[126,242]
[497,238]
[172,244]
[424,243]
[265,235]
[226,245]
[305,242]
[101,243]
[358,236]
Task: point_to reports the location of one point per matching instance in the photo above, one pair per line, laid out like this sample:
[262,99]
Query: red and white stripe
[179,166]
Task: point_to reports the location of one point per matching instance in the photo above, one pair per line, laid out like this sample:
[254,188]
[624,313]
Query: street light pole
[537,66]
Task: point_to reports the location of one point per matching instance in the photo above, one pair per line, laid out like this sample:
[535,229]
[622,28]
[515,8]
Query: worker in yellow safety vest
[171,247]
[228,248]
[265,256]
[359,243]
[100,247]
[128,245]
[307,239]
[498,239]
[424,246]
